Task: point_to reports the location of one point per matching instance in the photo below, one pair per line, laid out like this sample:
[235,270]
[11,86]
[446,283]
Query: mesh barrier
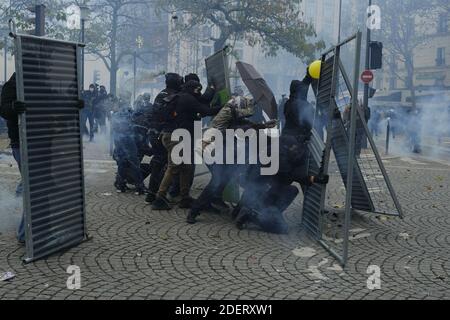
[364,184]
[51,145]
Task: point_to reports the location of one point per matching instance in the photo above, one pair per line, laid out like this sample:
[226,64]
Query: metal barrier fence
[48,81]
[367,185]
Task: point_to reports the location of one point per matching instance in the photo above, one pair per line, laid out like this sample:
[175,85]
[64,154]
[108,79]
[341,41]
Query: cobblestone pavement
[139,254]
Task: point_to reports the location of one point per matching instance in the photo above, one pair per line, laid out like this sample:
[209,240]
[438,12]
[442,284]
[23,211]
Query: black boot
[242,219]
[120,187]
[150,198]
[141,190]
[220,205]
[192,217]
[185,203]
[161,203]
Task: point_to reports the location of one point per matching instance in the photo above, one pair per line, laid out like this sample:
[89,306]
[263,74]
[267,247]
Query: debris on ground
[7,276]
[404,235]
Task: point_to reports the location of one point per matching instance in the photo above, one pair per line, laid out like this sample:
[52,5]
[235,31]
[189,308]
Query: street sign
[367,76]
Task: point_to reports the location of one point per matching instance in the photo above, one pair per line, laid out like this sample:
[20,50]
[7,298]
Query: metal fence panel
[360,195]
[217,72]
[48,81]
[368,187]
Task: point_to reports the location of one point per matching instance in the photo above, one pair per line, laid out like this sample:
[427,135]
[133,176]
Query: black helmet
[191,76]
[174,81]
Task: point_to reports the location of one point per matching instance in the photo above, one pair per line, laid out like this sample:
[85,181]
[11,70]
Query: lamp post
[366,86]
[84,15]
[340,20]
[139,45]
[5,76]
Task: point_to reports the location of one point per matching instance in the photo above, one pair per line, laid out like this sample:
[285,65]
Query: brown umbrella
[259,89]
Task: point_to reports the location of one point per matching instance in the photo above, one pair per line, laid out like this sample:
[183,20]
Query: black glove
[259,126]
[80,104]
[19,107]
[322,179]
[336,114]
[271,124]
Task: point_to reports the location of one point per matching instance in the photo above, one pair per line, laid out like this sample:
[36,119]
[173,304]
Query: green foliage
[273,24]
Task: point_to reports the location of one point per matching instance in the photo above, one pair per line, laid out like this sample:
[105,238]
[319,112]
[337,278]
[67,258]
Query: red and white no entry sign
[367,76]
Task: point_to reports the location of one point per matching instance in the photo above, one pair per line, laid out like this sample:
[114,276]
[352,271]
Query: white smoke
[10,205]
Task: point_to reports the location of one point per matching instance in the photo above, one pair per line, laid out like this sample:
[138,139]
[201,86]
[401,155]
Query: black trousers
[265,203]
[221,175]
[158,164]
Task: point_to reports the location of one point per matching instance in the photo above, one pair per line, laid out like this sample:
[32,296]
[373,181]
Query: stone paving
[139,254]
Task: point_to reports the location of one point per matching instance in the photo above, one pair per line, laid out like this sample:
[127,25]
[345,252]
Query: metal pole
[6,47]
[388,136]
[6,59]
[340,20]
[82,54]
[40,20]
[367,66]
[134,75]
[351,156]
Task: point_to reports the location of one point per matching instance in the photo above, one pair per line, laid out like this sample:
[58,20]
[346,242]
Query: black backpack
[165,111]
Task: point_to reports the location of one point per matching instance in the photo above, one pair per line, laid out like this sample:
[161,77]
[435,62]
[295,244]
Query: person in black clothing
[266,197]
[155,122]
[207,98]
[129,168]
[210,92]
[101,109]
[186,111]
[141,125]
[299,113]
[89,98]
[10,110]
[232,116]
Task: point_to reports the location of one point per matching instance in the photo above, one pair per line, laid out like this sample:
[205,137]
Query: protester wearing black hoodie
[209,93]
[158,163]
[299,113]
[10,110]
[186,111]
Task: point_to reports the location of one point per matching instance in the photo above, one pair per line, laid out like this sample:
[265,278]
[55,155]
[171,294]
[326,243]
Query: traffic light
[376,55]
[96,77]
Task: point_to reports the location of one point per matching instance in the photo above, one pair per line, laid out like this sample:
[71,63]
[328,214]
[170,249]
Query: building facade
[188,54]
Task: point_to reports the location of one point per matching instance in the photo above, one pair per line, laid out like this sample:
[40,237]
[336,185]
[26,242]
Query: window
[239,53]
[206,32]
[440,59]
[206,51]
[443,23]
[310,11]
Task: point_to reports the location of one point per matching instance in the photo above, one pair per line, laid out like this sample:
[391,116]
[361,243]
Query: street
[135,253]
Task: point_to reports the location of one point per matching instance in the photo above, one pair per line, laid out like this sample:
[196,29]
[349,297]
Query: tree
[113,29]
[273,24]
[443,4]
[406,27]
[109,34]
[19,11]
